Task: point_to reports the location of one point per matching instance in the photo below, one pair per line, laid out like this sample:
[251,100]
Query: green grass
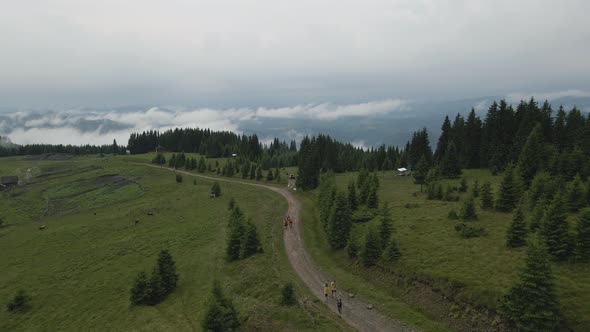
[477,270]
[80,268]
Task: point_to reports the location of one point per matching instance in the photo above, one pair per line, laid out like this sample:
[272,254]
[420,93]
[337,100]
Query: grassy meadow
[80,268]
[478,271]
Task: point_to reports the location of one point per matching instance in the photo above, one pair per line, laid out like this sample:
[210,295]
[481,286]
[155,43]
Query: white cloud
[541,96]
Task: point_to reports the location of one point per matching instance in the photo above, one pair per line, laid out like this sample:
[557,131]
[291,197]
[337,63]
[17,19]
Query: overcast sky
[74,53]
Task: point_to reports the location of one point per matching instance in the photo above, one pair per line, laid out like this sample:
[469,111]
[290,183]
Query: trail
[354,311]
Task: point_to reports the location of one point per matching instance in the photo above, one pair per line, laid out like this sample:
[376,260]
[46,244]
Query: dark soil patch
[115,180]
[48,156]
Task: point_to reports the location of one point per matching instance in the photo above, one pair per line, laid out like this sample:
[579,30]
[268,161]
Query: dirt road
[354,312]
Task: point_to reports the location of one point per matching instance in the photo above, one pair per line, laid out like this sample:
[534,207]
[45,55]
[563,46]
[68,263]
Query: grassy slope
[80,268]
[476,270]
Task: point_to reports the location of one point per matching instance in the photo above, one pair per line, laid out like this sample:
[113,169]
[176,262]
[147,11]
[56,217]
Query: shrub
[463,185]
[352,248]
[468,210]
[469,231]
[288,294]
[216,189]
[453,215]
[20,302]
[178,178]
[392,252]
[221,314]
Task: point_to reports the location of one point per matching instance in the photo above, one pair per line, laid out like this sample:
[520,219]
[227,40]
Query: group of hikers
[287,221]
[331,288]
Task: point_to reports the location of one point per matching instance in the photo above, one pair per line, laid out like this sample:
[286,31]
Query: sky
[280,56]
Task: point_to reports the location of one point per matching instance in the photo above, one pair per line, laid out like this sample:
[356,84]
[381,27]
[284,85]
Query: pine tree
[516,234]
[178,178]
[362,177]
[202,165]
[576,195]
[532,157]
[20,302]
[352,199]
[236,234]
[216,189]
[352,248]
[583,237]
[555,230]
[253,170]
[139,292]
[326,197]
[450,164]
[391,253]
[420,172]
[543,187]
[221,314]
[509,191]
[538,215]
[475,189]
[258,173]
[385,227]
[371,249]
[250,243]
[245,170]
[373,197]
[288,294]
[487,196]
[468,210]
[277,175]
[232,204]
[532,303]
[167,271]
[340,222]
[463,185]
[156,292]
[365,191]
[269,175]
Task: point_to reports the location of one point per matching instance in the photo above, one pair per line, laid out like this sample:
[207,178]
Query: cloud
[541,96]
[96,127]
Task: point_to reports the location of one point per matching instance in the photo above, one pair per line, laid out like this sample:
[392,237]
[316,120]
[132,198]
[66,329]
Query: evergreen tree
[516,234]
[538,215]
[216,189]
[277,175]
[555,229]
[352,199]
[391,253]
[532,156]
[258,173]
[250,242]
[443,140]
[221,314]
[475,190]
[487,196]
[583,237]
[245,170]
[542,188]
[509,191]
[236,234]
[232,204]
[202,165]
[463,185]
[373,197]
[468,210]
[365,192]
[362,177]
[167,271]
[253,170]
[326,197]
[352,248]
[269,175]
[371,249]
[576,195]
[156,292]
[288,294]
[340,222]
[386,225]
[178,178]
[532,303]
[450,164]
[20,302]
[420,172]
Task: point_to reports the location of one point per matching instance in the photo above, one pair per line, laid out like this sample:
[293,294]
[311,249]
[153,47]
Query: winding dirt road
[355,312]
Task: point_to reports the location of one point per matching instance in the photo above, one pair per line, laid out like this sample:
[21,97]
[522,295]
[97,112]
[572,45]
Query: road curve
[355,312]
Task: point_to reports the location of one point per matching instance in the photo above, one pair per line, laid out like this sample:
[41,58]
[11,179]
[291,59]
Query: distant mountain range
[392,127]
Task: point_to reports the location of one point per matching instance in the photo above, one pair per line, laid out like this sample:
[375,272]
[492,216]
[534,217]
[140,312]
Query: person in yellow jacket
[333,288]
[326,291]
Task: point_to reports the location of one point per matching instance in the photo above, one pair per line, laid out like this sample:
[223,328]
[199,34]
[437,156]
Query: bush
[469,231]
[178,178]
[20,302]
[221,314]
[162,282]
[391,253]
[468,210]
[363,214]
[453,215]
[463,185]
[352,248]
[216,189]
[288,294]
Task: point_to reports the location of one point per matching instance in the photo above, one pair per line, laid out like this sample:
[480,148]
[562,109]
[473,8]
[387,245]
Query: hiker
[333,288]
[286,224]
[326,291]
[339,305]
[290,223]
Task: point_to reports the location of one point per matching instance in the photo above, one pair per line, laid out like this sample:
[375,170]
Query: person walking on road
[339,305]
[326,292]
[290,223]
[333,288]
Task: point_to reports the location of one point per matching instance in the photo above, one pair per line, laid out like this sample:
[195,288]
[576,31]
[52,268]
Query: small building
[8,181]
[402,171]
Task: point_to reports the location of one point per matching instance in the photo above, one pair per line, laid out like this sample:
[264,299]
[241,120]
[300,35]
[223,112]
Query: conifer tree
[216,189]
[139,292]
[555,229]
[252,172]
[362,177]
[221,314]
[166,268]
[365,191]
[532,303]
[450,164]
[288,294]
[583,237]
[516,234]
[386,225]
[250,242]
[232,204]
[201,167]
[326,197]
[236,234]
[277,175]
[269,175]
[532,156]
[373,197]
[576,195]
[375,180]
[420,172]
[509,194]
[487,196]
[340,222]
[475,189]
[258,173]
[463,185]
[245,170]
[352,248]
[352,199]
[391,253]
[542,188]
[156,292]
[468,210]
[538,215]
[371,248]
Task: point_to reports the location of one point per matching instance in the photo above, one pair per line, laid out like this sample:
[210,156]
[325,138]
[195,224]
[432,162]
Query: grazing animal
[136,221]
[42,227]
